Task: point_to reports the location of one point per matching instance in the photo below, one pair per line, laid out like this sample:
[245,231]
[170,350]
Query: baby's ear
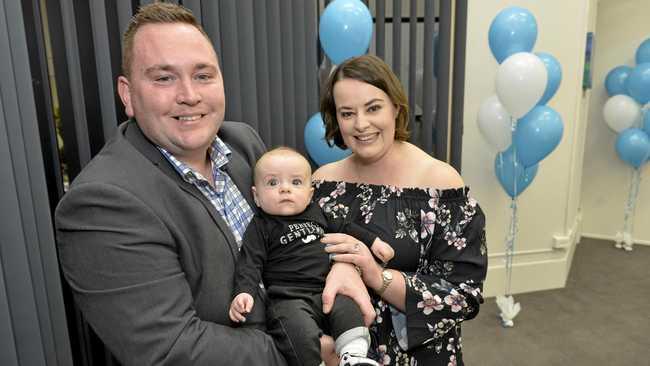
[255,196]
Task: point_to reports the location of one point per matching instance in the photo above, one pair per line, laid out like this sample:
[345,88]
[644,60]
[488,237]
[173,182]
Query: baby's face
[283,184]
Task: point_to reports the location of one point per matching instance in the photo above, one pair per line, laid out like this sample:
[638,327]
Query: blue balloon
[513,30]
[512,175]
[538,133]
[554,72]
[643,52]
[317,147]
[638,83]
[345,29]
[615,80]
[633,146]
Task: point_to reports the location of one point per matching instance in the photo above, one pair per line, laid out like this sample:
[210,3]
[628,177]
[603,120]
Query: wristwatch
[386,279]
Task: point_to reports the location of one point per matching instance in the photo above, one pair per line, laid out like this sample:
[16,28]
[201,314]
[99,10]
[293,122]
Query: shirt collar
[219,155]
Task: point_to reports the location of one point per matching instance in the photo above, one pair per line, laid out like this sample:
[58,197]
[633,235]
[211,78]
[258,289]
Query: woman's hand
[347,249]
[343,279]
[350,250]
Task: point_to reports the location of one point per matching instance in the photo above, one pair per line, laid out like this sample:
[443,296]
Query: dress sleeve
[340,225]
[359,232]
[446,289]
[252,257]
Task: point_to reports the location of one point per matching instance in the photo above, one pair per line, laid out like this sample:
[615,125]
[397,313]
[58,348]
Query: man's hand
[345,280]
[242,304]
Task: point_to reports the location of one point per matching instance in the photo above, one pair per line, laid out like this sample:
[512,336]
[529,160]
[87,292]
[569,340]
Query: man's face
[175,89]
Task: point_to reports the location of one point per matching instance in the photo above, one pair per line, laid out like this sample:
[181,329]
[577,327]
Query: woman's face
[366,118]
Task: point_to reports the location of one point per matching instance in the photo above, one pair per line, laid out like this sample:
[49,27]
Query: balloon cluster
[628,106]
[517,121]
[345,31]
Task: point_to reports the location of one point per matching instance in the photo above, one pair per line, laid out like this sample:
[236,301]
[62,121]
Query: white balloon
[621,112]
[521,81]
[495,123]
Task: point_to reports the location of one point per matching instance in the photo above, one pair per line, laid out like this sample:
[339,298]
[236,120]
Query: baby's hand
[382,250]
[242,304]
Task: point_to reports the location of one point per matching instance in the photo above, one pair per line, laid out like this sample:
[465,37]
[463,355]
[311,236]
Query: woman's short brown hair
[156,13]
[371,70]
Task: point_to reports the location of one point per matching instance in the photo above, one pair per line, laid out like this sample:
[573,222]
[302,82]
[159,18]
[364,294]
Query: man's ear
[255,196]
[124,90]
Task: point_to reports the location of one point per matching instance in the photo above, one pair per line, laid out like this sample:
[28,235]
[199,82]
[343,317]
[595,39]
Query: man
[149,232]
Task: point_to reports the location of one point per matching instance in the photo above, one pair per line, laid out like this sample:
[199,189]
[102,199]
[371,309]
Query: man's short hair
[156,13]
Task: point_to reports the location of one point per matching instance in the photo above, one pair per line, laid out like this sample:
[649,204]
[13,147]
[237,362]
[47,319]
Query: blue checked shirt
[225,196]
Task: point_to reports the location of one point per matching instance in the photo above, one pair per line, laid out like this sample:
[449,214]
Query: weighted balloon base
[506,323]
[509,310]
[624,241]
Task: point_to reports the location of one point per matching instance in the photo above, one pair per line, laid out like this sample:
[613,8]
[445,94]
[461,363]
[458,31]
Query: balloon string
[510,241]
[513,128]
[628,222]
[510,244]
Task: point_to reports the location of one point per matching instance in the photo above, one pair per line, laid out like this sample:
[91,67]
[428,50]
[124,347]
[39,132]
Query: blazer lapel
[134,135]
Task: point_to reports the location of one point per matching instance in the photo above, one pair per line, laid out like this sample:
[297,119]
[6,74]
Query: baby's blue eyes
[275,182]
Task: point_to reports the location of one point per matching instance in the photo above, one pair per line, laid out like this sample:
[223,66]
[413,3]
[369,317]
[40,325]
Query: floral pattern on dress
[406,225]
[442,234]
[430,303]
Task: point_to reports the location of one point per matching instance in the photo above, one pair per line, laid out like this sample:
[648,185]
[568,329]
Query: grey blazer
[151,262]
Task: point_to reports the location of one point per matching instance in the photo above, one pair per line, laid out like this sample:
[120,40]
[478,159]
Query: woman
[417,204]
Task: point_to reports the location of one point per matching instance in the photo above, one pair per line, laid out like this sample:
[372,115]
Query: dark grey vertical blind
[428,76]
[32,314]
[268,52]
[406,33]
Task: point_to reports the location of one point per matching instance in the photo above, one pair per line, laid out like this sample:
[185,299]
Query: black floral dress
[439,242]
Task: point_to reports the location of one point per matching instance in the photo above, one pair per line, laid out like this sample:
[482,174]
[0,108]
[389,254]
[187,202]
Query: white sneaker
[353,360]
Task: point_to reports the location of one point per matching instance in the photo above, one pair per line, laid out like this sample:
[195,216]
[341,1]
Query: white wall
[549,214]
[621,26]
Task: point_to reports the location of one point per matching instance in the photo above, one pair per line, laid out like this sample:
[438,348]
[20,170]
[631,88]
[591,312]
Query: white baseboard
[535,270]
[527,277]
[613,238]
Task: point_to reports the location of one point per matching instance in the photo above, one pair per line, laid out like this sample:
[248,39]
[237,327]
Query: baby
[282,249]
